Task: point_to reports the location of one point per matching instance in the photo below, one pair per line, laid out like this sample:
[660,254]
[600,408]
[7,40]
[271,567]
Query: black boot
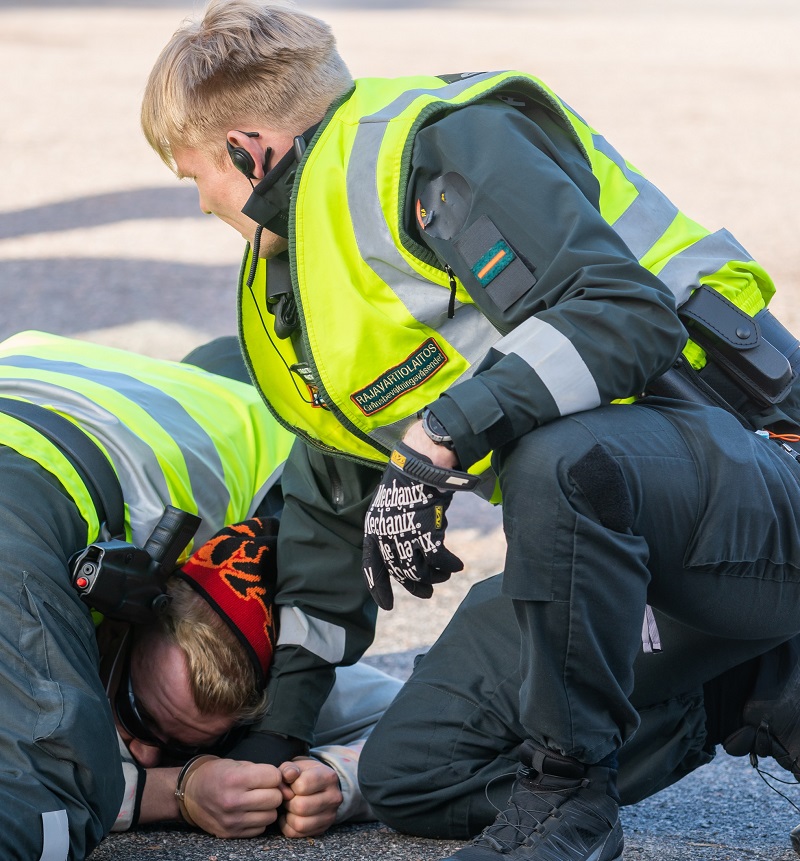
[771,716]
[559,808]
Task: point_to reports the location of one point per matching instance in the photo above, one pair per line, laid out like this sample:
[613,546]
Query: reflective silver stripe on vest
[706,256]
[55,836]
[265,488]
[470,333]
[649,214]
[648,218]
[389,435]
[556,361]
[134,461]
[445,92]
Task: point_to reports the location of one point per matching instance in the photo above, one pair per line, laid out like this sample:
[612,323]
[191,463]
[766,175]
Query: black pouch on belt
[757,355]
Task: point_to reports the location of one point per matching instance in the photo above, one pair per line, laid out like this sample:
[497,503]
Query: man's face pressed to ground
[154,707]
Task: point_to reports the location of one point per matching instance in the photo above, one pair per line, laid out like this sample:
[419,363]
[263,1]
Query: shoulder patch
[494,263]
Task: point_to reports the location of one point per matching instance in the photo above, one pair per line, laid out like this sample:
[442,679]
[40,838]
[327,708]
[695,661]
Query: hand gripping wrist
[182,784]
[413,464]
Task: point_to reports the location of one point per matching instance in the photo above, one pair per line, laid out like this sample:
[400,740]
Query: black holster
[752,362]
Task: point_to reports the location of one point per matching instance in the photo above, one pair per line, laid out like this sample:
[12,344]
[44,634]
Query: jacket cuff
[469,411]
[267,747]
[343,759]
[296,699]
[135,778]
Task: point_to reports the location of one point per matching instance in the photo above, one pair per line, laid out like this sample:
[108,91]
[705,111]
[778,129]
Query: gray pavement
[98,241]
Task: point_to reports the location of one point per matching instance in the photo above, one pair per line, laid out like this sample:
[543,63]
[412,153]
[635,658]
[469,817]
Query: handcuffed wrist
[183,779]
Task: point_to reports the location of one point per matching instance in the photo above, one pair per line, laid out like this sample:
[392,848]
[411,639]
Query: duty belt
[85,456]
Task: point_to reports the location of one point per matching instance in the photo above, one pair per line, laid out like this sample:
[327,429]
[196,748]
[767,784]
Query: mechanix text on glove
[404,533]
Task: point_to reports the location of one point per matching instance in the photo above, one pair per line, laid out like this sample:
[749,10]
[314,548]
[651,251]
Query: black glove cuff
[416,465]
[268,747]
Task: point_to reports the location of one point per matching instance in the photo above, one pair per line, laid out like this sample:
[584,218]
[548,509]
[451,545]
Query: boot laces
[520,823]
[761,732]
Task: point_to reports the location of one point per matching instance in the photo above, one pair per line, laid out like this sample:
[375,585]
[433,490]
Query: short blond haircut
[242,64]
[222,677]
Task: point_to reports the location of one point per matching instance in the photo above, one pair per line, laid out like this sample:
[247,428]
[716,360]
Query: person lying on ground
[184,690]
[162,434]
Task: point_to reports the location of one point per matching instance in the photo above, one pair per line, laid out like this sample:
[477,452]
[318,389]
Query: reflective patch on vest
[498,269]
[420,366]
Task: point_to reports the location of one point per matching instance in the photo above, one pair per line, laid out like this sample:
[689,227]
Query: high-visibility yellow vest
[376,341]
[173,433]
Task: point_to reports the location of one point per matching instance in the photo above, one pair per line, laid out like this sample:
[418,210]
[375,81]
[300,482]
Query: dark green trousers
[662,503]
[443,757]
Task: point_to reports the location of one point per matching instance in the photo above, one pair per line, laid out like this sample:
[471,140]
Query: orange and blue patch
[489,265]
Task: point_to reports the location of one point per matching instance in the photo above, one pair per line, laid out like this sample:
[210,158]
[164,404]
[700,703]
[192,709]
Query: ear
[247,152]
[146,755]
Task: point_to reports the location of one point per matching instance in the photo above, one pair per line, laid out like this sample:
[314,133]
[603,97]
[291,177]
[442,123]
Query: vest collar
[269,203]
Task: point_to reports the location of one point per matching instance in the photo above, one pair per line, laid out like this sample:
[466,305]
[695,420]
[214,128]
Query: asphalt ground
[98,241]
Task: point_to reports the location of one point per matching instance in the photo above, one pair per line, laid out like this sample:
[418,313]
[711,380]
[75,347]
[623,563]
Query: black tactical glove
[405,524]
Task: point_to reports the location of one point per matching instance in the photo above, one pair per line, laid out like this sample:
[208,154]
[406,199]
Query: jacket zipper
[451,306]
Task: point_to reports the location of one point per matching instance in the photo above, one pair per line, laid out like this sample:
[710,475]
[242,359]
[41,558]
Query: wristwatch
[435,430]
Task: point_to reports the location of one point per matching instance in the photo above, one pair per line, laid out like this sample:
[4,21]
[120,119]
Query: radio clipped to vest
[280,298]
[126,582]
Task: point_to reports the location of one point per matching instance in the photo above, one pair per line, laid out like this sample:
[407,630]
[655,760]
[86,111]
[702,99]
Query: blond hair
[243,63]
[222,677]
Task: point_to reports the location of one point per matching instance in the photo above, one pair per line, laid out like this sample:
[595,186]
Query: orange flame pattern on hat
[236,571]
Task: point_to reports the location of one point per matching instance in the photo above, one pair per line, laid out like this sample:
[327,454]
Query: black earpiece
[241,158]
